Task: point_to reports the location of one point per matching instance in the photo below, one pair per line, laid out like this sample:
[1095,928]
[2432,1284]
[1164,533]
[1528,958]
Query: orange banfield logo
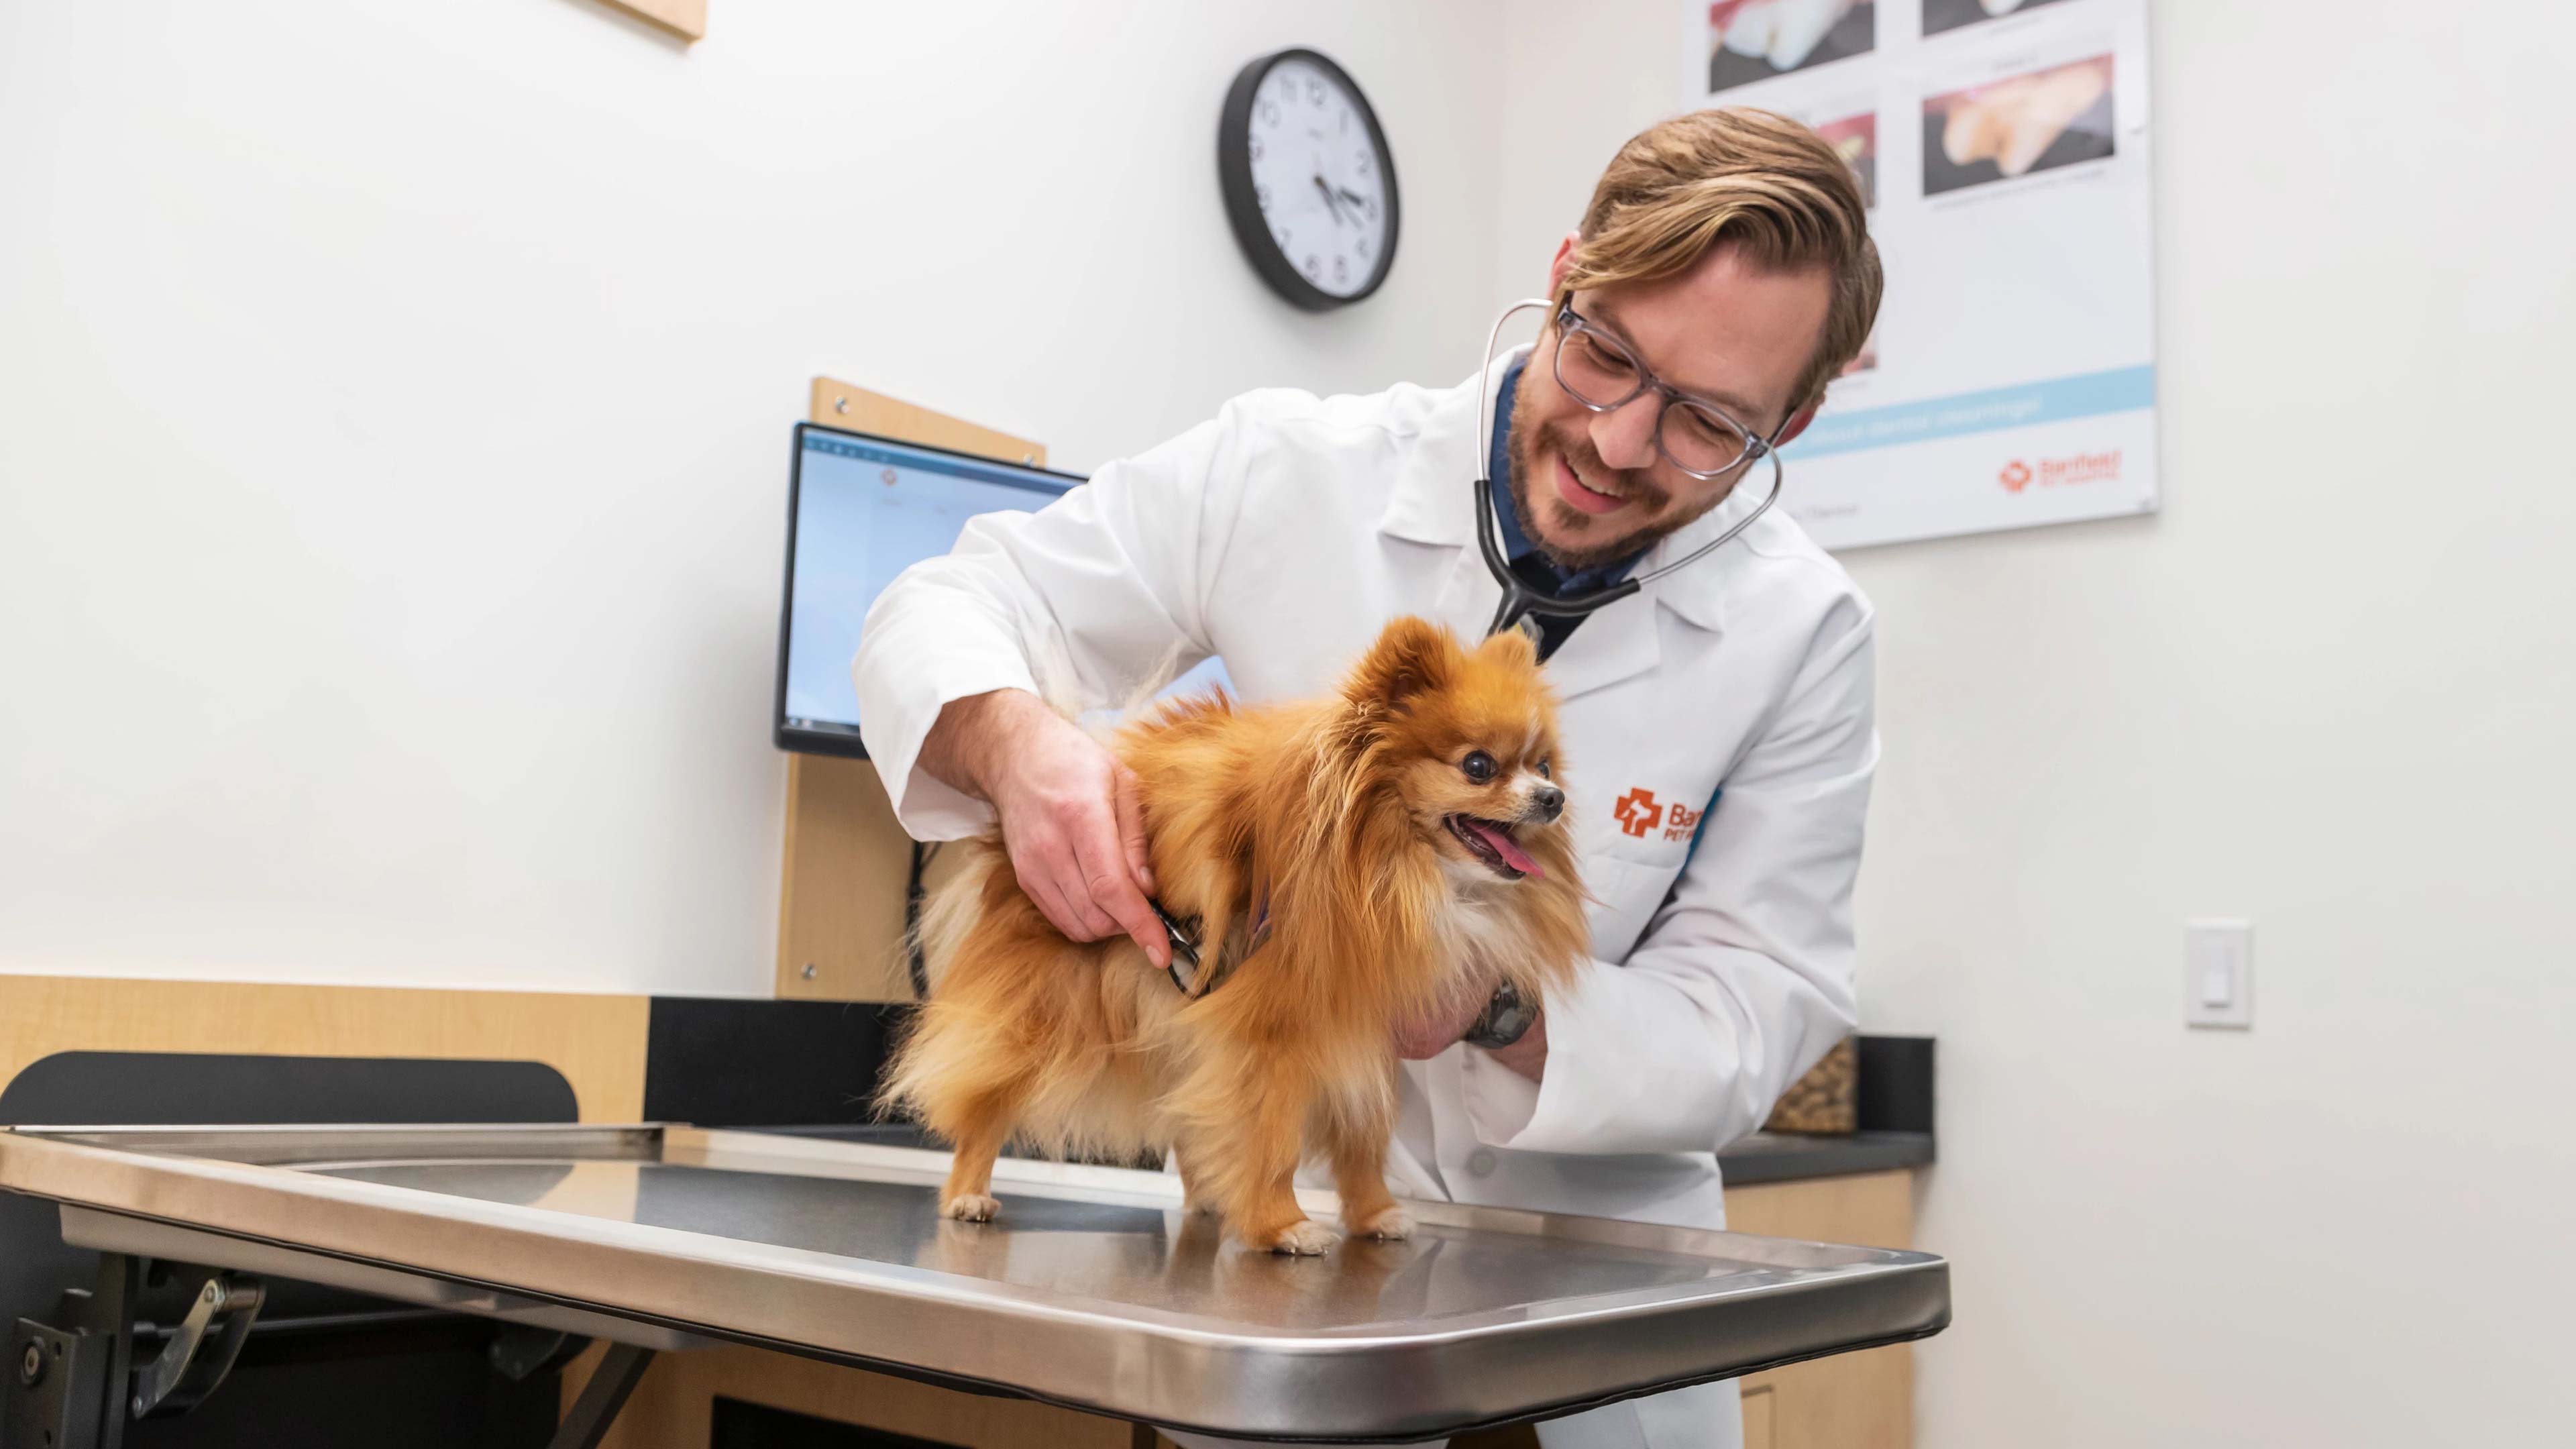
[1637,812]
[1682,822]
[2060,472]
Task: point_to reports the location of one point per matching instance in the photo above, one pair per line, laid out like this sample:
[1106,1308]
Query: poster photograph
[1754,40]
[1947,15]
[2002,149]
[2060,116]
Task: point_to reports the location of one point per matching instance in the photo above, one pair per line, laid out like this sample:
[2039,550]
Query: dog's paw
[1304,1238]
[971,1207]
[1388,1224]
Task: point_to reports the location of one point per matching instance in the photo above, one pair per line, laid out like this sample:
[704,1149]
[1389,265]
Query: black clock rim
[1234,175]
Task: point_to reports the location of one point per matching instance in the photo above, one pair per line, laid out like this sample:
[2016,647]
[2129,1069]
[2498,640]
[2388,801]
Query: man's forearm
[970,733]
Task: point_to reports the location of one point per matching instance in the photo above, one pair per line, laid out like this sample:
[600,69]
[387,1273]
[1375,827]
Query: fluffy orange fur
[1369,831]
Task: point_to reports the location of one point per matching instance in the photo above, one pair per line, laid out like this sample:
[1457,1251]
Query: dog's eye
[1479,766]
[1542,771]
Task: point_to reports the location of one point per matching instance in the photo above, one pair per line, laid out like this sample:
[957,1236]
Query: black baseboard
[731,1062]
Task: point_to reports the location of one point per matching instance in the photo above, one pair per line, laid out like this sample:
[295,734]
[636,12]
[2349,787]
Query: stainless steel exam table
[1093,1290]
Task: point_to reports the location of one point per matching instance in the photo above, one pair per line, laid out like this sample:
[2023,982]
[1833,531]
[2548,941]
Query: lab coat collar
[1438,476]
[1434,491]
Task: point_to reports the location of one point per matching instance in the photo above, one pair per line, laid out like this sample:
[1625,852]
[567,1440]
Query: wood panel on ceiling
[840,908]
[686,19]
[597,1042]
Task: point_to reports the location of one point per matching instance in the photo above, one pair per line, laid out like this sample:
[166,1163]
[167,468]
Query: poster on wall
[2002,147]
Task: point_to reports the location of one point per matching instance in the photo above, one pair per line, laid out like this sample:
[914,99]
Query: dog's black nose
[1547,802]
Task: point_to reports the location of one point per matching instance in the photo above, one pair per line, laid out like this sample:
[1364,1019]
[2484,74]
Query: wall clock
[1309,184]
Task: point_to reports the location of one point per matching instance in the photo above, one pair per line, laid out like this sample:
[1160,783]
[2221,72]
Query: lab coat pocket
[1626,895]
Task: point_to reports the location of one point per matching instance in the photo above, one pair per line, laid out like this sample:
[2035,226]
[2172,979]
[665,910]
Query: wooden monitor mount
[840,906]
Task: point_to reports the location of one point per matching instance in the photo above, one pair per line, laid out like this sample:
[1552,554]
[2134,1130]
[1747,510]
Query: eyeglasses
[1598,371]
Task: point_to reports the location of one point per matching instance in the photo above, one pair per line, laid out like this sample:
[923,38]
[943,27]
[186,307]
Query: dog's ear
[1411,657]
[1511,646]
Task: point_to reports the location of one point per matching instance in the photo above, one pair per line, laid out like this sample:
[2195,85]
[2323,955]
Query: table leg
[601,1398]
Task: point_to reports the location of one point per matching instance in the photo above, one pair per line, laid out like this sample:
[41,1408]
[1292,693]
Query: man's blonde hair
[1749,179]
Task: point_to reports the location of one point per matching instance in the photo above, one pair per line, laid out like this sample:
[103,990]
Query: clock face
[1308,180]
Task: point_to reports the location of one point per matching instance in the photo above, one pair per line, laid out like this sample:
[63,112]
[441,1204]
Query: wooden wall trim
[840,404]
[841,878]
[597,1042]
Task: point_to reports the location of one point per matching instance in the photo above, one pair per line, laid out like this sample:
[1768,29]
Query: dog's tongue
[1506,847]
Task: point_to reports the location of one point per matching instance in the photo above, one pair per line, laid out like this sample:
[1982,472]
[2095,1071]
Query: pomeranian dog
[1350,863]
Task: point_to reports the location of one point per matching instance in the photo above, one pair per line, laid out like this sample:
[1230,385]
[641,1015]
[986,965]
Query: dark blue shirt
[1536,569]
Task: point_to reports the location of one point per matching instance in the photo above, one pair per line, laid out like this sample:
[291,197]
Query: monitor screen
[862,509]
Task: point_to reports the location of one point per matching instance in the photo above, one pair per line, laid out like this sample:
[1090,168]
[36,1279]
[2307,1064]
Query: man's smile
[1580,495]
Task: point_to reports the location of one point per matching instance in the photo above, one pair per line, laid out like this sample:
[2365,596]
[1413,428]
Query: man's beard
[1586,542]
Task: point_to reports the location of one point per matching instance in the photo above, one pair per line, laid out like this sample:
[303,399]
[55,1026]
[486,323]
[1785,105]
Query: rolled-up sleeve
[1080,602]
[1744,978]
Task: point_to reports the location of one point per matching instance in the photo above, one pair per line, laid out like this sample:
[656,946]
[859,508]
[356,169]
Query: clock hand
[1332,203]
[1353,197]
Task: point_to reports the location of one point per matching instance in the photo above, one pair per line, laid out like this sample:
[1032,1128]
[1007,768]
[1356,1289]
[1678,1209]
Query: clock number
[1313,269]
[1261,195]
[1341,269]
[1366,162]
[1315,93]
[1269,114]
[1256,148]
[1362,246]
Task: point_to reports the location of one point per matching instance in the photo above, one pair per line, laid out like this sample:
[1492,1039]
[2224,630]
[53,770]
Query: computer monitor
[860,510]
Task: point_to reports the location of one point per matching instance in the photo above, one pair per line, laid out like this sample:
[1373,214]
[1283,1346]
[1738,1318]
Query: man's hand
[1069,813]
[1435,1030]
[1430,1034]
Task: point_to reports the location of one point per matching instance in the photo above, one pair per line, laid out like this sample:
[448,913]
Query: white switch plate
[2218,974]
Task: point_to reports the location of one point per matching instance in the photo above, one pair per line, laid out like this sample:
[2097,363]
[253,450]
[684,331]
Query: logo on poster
[2060,472]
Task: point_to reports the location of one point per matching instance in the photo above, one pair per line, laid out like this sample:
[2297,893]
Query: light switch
[2217,987]
[2218,974]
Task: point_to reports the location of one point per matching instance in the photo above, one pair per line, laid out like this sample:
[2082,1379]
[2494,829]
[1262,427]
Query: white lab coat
[1281,536]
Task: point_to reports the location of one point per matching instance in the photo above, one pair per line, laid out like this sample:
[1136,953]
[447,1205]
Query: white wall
[393,423]
[2328,688]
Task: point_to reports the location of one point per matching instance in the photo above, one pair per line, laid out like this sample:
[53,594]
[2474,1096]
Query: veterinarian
[1717,722]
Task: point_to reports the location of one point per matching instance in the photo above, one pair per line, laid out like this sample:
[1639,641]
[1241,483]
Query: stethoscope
[1519,599]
